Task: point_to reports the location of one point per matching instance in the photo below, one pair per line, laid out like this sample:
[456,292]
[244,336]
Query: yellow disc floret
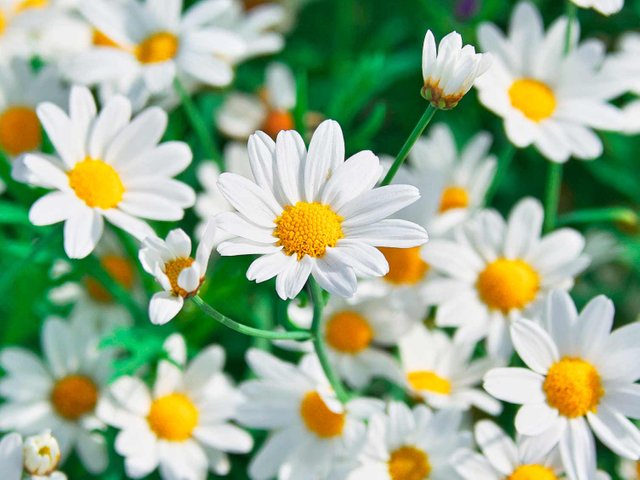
[3,23]
[533,98]
[408,463]
[424,380]
[19,129]
[173,417]
[507,284]
[532,472]
[30,4]
[453,197]
[172,269]
[120,269]
[318,418]
[348,332]
[74,396]
[159,47]
[96,183]
[277,121]
[308,229]
[406,266]
[573,387]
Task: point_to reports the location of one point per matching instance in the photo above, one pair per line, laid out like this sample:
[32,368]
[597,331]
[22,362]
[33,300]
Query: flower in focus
[580,377]
[182,425]
[180,274]
[449,70]
[37,457]
[107,167]
[314,213]
[494,272]
[606,7]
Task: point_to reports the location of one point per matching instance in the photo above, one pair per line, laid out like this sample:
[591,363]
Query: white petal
[515,385]
[163,307]
[82,232]
[535,418]
[534,345]
[377,204]
[497,446]
[577,449]
[326,154]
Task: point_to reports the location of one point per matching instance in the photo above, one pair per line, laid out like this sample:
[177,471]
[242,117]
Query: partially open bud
[41,454]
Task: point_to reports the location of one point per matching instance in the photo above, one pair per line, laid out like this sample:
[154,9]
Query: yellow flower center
[638,468]
[318,418]
[19,128]
[102,40]
[29,4]
[173,417]
[573,386]
[408,463]
[250,4]
[308,229]
[276,121]
[3,23]
[406,266]
[74,396]
[453,197]
[532,472]
[507,284]
[120,270]
[159,47]
[424,380]
[172,269]
[96,183]
[348,332]
[533,98]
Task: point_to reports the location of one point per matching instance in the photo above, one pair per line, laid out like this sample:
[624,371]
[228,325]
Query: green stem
[302,103]
[318,342]
[571,13]
[504,161]
[597,215]
[408,145]
[246,330]
[552,195]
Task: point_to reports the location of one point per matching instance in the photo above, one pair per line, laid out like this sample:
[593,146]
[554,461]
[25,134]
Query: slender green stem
[408,145]
[504,161]
[598,215]
[318,342]
[246,330]
[552,195]
[571,13]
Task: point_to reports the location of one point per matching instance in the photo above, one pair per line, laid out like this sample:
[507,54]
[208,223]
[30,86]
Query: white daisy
[411,445]
[606,7]
[313,213]
[181,426]
[310,428]
[59,393]
[180,274]
[107,167]
[441,372]
[546,98]
[35,459]
[580,377]
[496,271]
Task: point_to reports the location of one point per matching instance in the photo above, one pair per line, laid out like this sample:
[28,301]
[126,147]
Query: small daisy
[441,372]
[35,459]
[580,377]
[547,98]
[410,444]
[182,426]
[59,393]
[606,7]
[495,271]
[310,428]
[107,167]
[313,213]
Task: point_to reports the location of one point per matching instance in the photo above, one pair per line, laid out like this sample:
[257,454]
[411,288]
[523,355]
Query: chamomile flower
[59,393]
[310,427]
[580,377]
[36,458]
[258,22]
[441,372]
[606,7]
[180,274]
[410,444]
[495,271]
[546,98]
[313,213]
[449,70]
[107,167]
[181,426]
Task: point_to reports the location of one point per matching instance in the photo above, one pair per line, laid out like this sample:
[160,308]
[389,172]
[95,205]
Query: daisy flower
[449,70]
[313,213]
[411,444]
[310,427]
[172,265]
[35,459]
[286,10]
[181,426]
[59,393]
[441,372]
[107,167]
[496,271]
[546,98]
[606,7]
[580,377]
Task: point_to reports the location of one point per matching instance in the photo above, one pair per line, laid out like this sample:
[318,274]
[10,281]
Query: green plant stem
[244,329]
[552,195]
[408,145]
[598,215]
[318,342]
[571,13]
[504,161]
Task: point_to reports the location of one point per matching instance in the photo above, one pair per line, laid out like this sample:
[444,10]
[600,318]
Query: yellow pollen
[348,332]
[96,183]
[408,463]
[29,4]
[159,47]
[308,229]
[318,418]
[424,380]
[276,121]
[532,472]
[507,284]
[406,266]
[173,417]
[3,23]
[19,129]
[102,40]
[173,269]
[74,396]
[120,270]
[453,197]
[573,386]
[533,98]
